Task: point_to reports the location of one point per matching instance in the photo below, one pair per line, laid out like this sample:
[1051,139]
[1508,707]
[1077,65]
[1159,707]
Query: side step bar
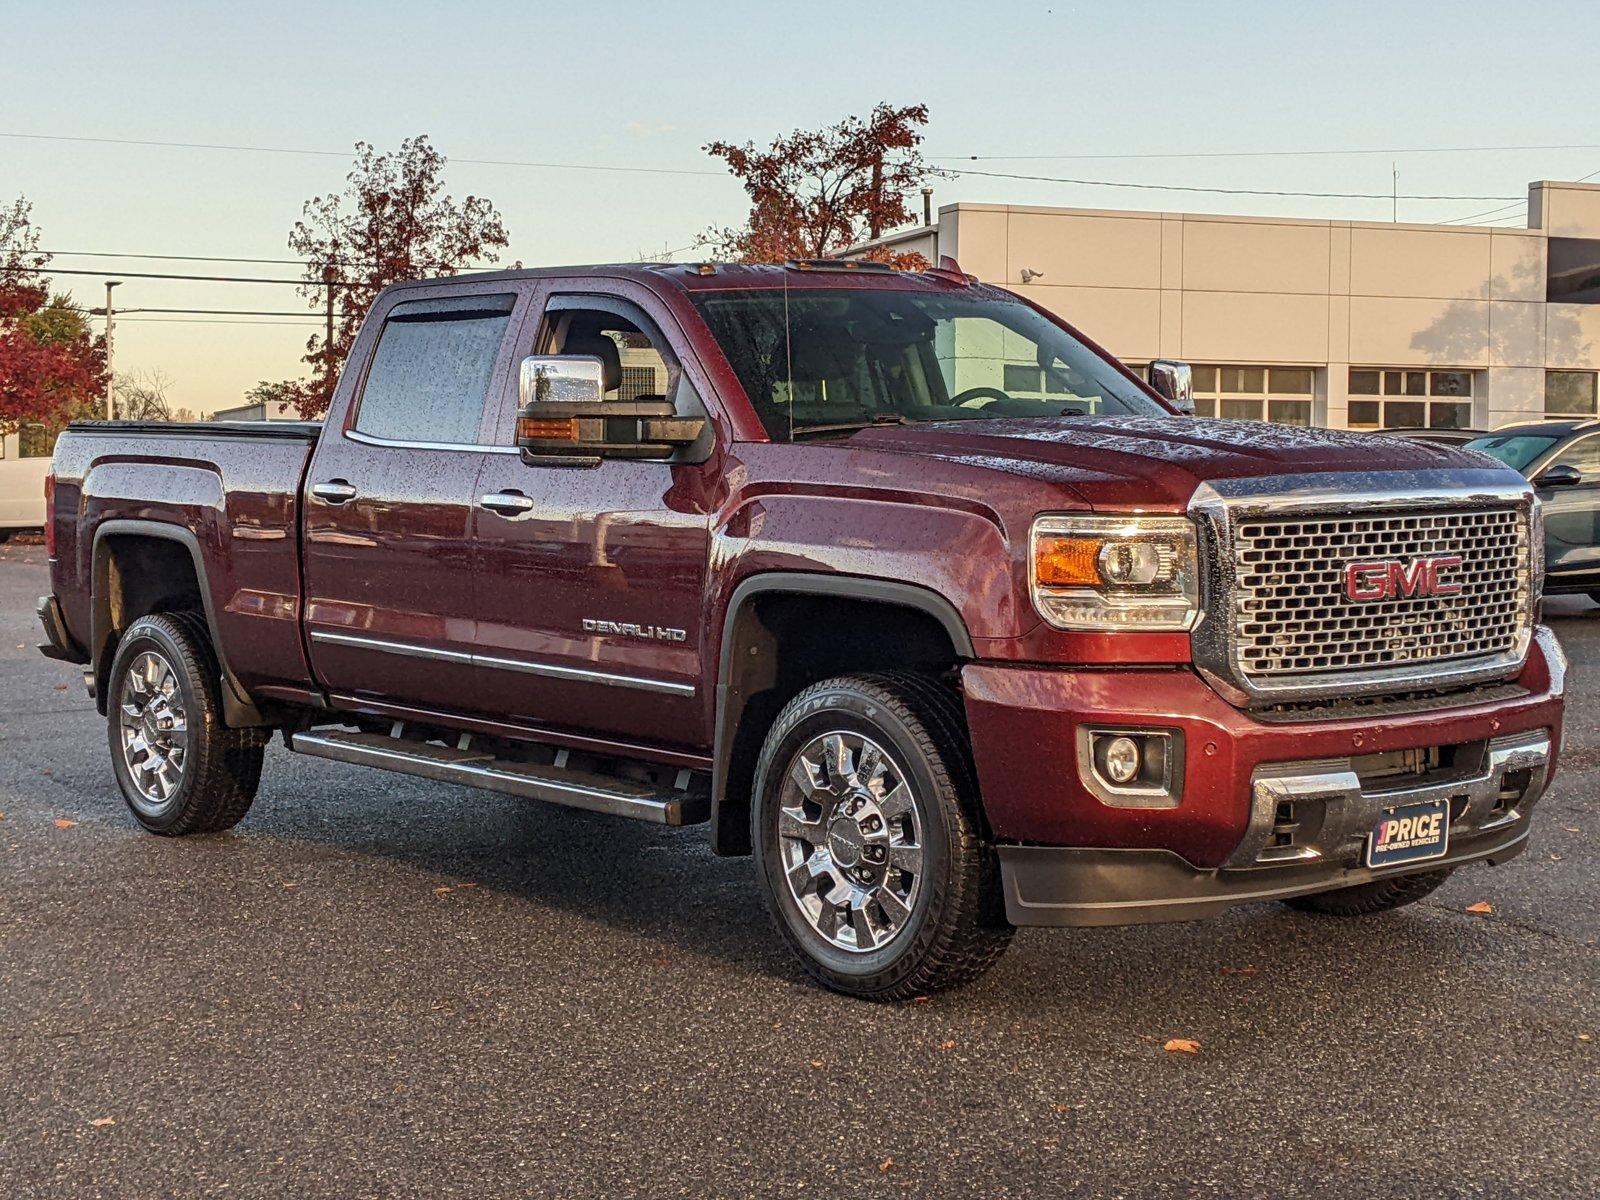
[553,782]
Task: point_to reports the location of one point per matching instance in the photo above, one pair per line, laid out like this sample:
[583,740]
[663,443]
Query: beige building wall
[1327,295]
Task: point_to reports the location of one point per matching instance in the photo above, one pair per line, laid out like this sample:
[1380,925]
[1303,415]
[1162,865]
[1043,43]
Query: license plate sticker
[1409,832]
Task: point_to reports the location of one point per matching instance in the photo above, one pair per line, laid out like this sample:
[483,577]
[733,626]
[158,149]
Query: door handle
[507,504]
[334,491]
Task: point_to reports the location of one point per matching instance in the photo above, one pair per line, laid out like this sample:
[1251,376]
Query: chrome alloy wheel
[851,840]
[155,734]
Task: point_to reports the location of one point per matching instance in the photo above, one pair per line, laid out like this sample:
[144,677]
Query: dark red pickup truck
[905,587]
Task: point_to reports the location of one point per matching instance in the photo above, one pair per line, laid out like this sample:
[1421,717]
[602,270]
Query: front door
[591,581]
[390,503]
[1572,515]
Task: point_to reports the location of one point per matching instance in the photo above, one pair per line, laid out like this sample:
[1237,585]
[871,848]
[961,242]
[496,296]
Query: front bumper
[1490,818]
[1072,857]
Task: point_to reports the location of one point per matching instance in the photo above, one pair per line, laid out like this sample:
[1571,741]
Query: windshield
[856,357]
[1516,450]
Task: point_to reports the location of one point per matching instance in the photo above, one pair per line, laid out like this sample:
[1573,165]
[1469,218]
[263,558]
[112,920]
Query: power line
[1245,154]
[1168,187]
[723,174]
[189,278]
[218,321]
[285,262]
[482,162]
[215,312]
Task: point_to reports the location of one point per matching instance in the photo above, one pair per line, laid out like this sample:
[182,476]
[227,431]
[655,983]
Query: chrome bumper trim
[1333,792]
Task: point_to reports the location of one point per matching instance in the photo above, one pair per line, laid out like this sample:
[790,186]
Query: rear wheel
[868,840]
[1380,895]
[181,770]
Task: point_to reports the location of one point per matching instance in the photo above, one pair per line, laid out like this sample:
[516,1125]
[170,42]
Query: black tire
[955,929]
[1380,895]
[221,767]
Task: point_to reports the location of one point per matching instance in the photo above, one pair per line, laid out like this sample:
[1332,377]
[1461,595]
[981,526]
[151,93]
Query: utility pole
[927,206]
[110,327]
[329,274]
[1394,191]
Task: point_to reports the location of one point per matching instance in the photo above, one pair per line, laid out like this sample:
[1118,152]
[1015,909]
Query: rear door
[389,505]
[592,591]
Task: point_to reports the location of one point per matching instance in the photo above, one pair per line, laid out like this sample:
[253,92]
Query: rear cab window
[431,371]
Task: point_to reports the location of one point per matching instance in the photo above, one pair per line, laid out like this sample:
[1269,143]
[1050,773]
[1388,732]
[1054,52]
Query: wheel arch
[772,648]
[136,569]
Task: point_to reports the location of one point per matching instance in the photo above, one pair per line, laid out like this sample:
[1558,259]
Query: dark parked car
[1446,437]
[1562,461]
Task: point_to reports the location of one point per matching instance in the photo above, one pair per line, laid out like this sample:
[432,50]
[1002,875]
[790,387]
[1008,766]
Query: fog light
[1132,768]
[1122,760]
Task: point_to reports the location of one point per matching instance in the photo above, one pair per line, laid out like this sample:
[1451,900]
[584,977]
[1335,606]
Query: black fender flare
[730,700]
[238,710]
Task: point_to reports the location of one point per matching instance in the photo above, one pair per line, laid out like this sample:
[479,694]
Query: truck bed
[214,505]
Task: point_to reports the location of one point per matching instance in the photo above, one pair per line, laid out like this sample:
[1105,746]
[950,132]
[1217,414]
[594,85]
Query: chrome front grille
[1292,621]
[1277,625]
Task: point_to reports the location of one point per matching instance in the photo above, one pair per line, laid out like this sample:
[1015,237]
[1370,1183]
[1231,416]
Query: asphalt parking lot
[377,986]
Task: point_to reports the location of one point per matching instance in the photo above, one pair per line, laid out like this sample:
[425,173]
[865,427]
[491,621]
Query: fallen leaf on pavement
[1182,1046]
[1570,828]
[63,823]
[887,1164]
[1586,1037]
[922,999]
[441,890]
[102,1122]
[816,1063]
[947,1044]
[1481,907]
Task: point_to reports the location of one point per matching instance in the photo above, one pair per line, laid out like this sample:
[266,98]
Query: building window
[1573,273]
[1281,394]
[1409,399]
[1569,393]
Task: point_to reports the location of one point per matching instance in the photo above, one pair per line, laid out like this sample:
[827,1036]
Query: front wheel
[181,770]
[867,836]
[1380,895]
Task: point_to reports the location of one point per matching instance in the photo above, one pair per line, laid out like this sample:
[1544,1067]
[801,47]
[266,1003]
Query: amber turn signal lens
[1067,561]
[547,429]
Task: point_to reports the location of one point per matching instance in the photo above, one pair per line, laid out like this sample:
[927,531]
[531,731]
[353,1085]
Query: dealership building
[1342,323]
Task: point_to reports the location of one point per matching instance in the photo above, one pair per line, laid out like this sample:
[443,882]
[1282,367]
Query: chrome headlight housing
[1104,571]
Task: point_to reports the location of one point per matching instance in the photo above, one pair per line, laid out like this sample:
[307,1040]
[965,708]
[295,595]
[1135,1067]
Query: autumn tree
[816,192]
[52,367]
[393,221]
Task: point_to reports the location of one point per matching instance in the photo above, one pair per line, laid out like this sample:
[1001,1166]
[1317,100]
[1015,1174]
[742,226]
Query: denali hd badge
[651,633]
[1395,579]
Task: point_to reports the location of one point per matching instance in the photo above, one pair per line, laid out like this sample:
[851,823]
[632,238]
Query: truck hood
[1154,462]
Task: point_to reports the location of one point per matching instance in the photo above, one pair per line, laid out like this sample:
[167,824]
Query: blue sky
[649,84]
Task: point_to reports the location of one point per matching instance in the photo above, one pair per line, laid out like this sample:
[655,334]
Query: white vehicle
[21,487]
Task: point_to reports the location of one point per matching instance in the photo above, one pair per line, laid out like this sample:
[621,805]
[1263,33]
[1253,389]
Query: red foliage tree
[816,192]
[392,222]
[51,367]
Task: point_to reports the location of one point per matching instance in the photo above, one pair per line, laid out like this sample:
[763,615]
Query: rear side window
[431,371]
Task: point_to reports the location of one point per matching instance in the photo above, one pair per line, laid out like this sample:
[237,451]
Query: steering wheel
[973,395]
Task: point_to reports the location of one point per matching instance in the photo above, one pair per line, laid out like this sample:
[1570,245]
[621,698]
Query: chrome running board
[686,802]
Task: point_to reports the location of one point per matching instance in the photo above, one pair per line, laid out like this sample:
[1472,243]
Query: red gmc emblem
[1392,579]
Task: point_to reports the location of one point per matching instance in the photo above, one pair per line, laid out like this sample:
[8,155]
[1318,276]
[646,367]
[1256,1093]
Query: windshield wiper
[851,426]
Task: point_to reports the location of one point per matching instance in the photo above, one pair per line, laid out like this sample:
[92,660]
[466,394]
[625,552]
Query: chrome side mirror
[1173,381]
[564,419]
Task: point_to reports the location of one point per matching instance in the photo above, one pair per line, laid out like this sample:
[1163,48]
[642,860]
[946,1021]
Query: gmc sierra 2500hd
[908,589]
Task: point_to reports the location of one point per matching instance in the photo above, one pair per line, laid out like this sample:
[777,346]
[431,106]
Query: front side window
[825,361]
[430,374]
